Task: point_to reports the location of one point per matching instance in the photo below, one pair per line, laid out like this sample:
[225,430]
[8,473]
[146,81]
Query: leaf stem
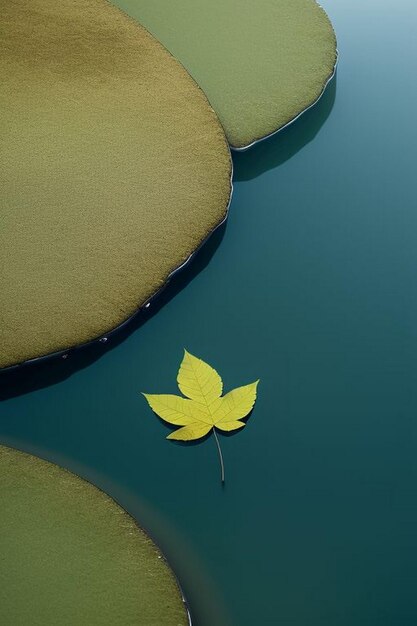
[220,455]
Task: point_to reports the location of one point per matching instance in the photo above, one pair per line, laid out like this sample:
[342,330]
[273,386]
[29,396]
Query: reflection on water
[50,371]
[270,153]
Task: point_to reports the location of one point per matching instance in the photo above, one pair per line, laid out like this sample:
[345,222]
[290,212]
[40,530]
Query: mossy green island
[114,169]
[71,555]
[260,62]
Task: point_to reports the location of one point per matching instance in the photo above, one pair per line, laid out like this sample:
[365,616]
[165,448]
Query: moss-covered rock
[71,555]
[114,169]
[260,62]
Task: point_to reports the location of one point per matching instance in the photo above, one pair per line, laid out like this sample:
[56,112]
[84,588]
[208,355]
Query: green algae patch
[260,62]
[71,555]
[114,169]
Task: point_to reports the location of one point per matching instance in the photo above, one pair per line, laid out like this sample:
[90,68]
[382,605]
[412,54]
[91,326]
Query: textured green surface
[315,293]
[260,62]
[113,167]
[70,555]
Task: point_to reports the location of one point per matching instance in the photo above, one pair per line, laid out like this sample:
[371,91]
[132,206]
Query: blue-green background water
[312,288]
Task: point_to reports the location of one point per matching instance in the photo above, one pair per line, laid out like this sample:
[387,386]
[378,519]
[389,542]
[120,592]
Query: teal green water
[312,288]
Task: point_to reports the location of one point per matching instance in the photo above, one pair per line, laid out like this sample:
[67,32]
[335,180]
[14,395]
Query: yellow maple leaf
[204,408]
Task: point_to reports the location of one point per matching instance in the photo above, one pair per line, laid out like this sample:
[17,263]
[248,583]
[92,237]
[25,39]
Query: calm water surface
[312,288]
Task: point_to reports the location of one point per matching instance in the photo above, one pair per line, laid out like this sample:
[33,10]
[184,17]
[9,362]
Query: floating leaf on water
[204,408]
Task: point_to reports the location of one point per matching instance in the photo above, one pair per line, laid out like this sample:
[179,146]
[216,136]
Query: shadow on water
[56,369]
[272,152]
[260,158]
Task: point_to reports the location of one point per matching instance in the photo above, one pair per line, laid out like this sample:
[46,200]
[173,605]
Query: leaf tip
[189,356]
[173,436]
[148,397]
